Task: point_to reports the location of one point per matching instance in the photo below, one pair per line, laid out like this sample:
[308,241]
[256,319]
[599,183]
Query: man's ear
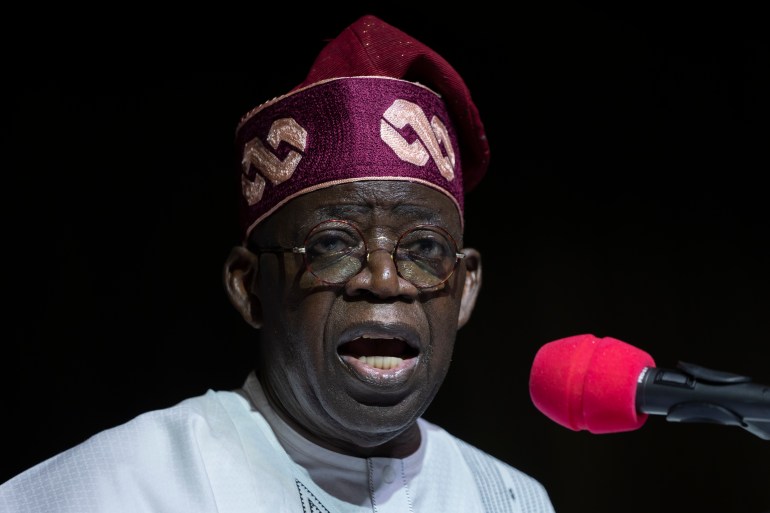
[239,276]
[472,262]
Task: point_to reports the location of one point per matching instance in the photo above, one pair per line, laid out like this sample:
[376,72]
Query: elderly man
[352,267]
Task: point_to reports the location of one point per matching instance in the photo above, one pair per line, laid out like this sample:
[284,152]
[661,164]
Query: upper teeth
[381,362]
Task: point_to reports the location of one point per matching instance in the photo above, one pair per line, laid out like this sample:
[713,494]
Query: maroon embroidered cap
[376,104]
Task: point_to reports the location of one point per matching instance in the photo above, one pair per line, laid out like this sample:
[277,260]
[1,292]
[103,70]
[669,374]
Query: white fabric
[218,453]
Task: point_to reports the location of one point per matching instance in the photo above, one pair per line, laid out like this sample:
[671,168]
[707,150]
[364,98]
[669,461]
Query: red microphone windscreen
[588,383]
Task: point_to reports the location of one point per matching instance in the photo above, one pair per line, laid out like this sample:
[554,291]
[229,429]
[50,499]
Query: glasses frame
[302,250]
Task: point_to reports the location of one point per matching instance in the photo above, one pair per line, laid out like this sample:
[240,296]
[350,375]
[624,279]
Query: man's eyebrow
[340,209]
[417,211]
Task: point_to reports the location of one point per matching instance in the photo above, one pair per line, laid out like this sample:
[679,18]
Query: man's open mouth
[378,352]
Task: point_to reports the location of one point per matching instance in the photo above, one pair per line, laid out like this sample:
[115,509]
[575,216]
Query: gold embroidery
[255,153]
[252,190]
[446,165]
[413,153]
[431,135]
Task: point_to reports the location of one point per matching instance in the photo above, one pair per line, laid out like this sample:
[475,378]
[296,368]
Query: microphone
[604,385]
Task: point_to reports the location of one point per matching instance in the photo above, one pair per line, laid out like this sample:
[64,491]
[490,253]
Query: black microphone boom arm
[692,393]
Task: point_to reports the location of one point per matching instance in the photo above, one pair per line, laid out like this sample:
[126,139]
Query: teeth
[381,362]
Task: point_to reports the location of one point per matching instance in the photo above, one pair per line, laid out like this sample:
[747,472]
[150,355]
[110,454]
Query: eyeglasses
[335,250]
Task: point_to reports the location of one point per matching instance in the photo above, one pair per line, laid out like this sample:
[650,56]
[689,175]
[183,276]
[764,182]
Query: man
[352,266]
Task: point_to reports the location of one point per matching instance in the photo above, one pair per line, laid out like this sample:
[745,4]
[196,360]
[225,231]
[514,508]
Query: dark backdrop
[626,197]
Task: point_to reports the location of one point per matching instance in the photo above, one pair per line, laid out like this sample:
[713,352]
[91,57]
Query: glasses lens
[426,257]
[334,251]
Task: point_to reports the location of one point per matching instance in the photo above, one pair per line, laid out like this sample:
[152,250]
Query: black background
[626,197]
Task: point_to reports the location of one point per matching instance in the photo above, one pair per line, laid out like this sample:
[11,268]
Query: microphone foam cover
[588,383]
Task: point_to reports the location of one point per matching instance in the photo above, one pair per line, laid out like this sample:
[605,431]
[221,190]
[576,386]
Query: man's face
[314,335]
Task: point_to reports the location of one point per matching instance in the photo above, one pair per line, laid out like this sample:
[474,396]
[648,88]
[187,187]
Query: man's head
[352,262]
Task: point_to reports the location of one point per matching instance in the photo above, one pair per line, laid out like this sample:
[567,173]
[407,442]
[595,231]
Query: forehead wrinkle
[368,214]
[340,210]
[405,209]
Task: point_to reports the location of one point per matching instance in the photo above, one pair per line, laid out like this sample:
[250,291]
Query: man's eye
[426,248]
[329,243]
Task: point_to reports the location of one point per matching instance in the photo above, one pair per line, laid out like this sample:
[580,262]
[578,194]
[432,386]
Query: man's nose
[379,277]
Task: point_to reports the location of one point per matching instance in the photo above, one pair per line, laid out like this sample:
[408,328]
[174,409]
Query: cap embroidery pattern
[269,165]
[431,136]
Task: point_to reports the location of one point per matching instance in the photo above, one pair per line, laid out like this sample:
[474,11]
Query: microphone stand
[697,394]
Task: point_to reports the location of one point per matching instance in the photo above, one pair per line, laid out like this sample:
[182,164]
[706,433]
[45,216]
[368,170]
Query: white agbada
[219,453]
